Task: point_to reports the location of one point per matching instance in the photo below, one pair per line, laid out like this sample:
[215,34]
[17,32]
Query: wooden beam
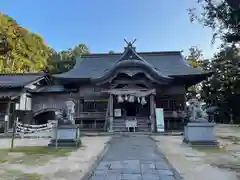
[134,92]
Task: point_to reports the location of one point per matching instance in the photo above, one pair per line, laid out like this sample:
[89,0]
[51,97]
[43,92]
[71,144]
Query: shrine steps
[120,126]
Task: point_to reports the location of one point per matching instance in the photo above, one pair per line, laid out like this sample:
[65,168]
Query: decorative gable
[131,64]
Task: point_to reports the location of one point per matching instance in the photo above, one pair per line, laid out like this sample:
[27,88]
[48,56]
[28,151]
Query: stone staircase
[119,125]
[142,125]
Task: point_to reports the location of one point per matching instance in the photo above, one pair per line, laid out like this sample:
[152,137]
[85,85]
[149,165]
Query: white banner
[160,119]
[23,129]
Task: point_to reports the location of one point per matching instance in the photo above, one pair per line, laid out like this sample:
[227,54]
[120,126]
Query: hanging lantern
[120,99]
[143,101]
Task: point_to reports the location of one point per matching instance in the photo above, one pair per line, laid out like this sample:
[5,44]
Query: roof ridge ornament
[130,53]
[130,44]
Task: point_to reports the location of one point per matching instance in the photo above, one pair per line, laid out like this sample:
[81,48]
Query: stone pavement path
[133,158]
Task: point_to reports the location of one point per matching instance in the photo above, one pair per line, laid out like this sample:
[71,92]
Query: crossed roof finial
[130,44]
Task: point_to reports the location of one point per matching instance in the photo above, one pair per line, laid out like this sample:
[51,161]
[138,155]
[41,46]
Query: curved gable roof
[130,59]
[166,64]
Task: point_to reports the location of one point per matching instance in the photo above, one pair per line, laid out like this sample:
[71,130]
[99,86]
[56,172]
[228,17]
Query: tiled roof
[8,94]
[51,88]
[96,65]
[15,80]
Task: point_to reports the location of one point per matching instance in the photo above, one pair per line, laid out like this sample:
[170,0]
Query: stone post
[111,113]
[152,113]
[7,123]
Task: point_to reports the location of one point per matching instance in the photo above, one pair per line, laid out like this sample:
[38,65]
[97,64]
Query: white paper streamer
[120,99]
[131,99]
[143,101]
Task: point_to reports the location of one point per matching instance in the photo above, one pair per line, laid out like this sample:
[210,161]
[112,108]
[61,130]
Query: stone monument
[65,133]
[198,131]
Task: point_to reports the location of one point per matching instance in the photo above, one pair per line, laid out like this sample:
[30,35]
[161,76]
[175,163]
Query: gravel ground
[190,163]
[6,142]
[72,167]
[197,165]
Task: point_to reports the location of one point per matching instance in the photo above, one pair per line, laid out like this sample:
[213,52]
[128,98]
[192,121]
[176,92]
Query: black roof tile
[96,65]
[14,80]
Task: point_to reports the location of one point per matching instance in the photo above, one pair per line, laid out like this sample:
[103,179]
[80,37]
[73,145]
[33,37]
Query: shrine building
[106,89]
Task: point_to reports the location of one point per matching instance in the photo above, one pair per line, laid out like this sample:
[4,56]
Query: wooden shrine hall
[105,91]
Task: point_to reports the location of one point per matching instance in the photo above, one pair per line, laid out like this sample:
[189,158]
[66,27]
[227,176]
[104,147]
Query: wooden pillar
[7,113]
[152,113]
[81,125]
[95,124]
[111,113]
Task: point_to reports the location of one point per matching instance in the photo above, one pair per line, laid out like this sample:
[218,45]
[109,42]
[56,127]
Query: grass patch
[234,139]
[32,155]
[39,150]
[209,149]
[14,174]
[3,158]
[31,176]
[36,159]
[3,161]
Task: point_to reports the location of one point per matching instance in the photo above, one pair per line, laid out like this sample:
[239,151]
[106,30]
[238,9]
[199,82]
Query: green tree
[222,16]
[23,51]
[111,52]
[26,52]
[194,59]
[223,87]
[63,61]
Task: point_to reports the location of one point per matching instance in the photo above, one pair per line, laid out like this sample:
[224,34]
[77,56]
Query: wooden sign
[117,112]
[131,123]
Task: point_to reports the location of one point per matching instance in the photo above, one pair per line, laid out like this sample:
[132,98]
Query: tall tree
[111,52]
[222,16]
[26,52]
[195,59]
[23,51]
[64,60]
[223,87]
[195,56]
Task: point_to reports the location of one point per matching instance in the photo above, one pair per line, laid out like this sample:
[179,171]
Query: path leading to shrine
[134,158]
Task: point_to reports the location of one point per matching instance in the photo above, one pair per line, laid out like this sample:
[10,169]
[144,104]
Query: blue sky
[158,25]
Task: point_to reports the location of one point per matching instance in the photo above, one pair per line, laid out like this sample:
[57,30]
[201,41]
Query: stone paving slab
[133,158]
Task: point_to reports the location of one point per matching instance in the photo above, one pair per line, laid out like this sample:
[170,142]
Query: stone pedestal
[200,133]
[66,136]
